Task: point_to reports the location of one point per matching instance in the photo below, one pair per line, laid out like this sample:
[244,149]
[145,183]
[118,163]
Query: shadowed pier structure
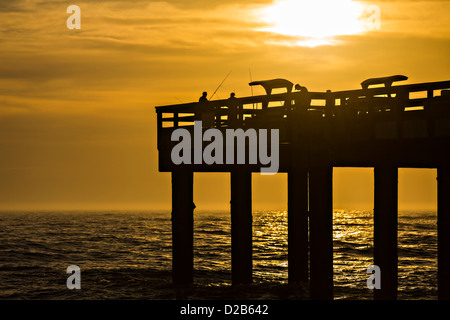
[385,127]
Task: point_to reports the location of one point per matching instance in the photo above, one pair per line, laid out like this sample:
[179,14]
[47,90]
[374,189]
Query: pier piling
[182,227]
[298,226]
[444,232]
[321,232]
[241,227]
[385,229]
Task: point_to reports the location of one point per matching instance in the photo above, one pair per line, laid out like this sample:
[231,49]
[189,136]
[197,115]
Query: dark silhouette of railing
[426,101]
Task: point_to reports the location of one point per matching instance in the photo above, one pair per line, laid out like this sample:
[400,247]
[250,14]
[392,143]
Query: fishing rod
[220,85]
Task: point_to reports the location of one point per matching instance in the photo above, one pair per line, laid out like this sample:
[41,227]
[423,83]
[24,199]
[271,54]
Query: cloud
[416,18]
[211,4]
[121,47]
[13,6]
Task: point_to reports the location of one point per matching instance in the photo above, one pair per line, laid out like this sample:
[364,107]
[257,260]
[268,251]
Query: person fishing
[203,98]
[207,112]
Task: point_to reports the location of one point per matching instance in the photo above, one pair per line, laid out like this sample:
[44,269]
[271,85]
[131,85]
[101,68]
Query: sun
[314,22]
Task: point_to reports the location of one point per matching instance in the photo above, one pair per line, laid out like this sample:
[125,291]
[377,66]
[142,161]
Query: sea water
[127,255]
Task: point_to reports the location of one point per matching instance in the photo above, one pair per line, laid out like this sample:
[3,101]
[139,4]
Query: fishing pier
[383,125]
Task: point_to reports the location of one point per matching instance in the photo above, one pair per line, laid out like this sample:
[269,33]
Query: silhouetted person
[232,109]
[203,98]
[300,88]
[304,101]
[206,111]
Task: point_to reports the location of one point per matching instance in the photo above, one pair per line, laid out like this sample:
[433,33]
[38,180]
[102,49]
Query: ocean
[127,255]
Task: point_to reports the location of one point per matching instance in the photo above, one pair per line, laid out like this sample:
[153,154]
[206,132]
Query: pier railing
[365,108]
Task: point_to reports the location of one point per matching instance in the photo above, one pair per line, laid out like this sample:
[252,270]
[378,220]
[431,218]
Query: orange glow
[77,120]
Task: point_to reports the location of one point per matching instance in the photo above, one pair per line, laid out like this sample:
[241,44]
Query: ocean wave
[127,255]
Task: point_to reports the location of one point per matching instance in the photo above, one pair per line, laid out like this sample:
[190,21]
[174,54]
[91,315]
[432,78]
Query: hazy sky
[77,117]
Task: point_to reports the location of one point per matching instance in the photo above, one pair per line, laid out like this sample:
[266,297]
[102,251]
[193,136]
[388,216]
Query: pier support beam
[182,227]
[443,178]
[241,227]
[321,232]
[298,226]
[385,230]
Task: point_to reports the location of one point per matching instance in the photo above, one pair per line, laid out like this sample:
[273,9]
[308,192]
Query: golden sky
[77,117]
